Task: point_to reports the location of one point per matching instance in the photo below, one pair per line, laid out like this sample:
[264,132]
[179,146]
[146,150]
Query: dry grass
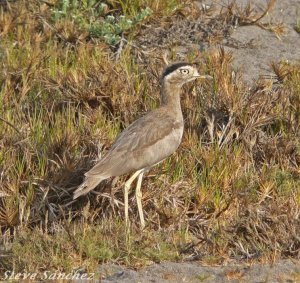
[230,192]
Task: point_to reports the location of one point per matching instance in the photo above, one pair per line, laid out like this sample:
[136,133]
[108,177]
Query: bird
[148,140]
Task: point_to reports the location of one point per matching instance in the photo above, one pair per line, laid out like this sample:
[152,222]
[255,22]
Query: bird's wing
[145,131]
[142,133]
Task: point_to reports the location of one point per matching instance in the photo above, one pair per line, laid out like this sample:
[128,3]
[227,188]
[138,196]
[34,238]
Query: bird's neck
[170,97]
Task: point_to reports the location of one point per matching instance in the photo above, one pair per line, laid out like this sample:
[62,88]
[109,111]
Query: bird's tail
[89,184]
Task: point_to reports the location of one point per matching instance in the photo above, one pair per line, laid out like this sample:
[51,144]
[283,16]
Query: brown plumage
[148,140]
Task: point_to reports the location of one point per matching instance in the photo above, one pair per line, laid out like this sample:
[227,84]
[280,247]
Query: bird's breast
[163,147]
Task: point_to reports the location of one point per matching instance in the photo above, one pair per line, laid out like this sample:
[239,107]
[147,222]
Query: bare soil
[254,49]
[167,272]
[254,46]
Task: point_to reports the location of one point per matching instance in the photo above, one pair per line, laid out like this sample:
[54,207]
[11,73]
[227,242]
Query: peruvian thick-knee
[148,140]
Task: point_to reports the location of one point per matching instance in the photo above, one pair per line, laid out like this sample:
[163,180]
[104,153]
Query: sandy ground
[254,59]
[283,271]
[253,46]
[253,51]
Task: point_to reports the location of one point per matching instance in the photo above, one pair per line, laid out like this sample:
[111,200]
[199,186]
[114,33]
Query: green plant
[81,11]
[93,16]
[111,29]
[297,26]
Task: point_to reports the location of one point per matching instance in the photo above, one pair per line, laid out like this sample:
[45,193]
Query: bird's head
[177,74]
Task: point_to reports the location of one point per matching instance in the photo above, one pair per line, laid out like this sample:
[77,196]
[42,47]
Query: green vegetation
[297,26]
[230,191]
[95,17]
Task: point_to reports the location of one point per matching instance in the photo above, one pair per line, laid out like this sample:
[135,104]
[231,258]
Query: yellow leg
[126,191]
[138,195]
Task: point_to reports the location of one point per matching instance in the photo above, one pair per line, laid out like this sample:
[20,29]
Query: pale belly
[158,151]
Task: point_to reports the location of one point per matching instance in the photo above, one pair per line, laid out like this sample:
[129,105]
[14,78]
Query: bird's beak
[198,76]
[205,77]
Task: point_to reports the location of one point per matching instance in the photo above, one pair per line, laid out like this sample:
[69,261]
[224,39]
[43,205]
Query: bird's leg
[126,191]
[138,195]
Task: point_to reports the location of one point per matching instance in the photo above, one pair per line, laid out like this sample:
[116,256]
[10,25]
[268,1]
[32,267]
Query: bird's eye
[184,71]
